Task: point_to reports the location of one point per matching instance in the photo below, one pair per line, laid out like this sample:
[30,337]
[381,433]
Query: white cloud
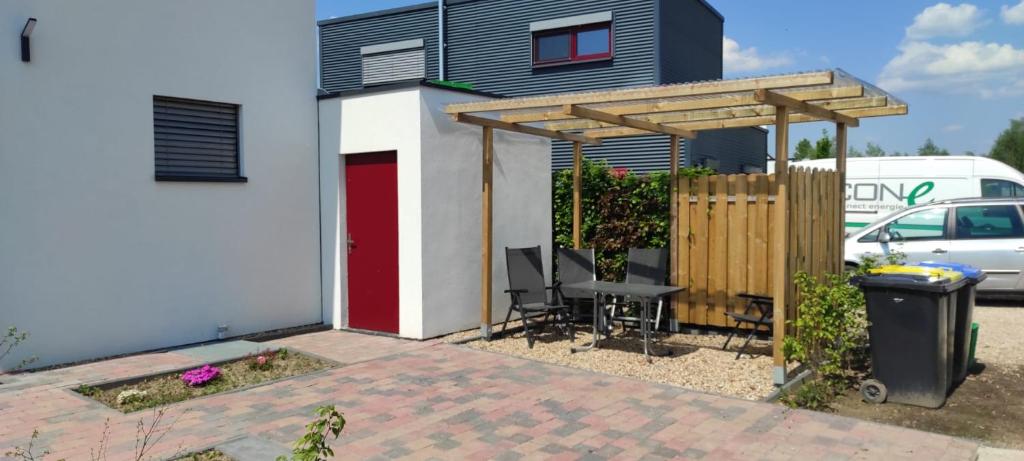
[737,59]
[952,128]
[988,69]
[945,20]
[1013,14]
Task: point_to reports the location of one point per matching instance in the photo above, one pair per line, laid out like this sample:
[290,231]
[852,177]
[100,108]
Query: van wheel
[850,268]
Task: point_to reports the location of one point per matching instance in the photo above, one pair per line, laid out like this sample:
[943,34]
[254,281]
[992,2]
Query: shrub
[831,327]
[620,210]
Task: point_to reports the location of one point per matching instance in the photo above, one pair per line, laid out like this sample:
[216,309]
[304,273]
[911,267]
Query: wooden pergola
[679,111]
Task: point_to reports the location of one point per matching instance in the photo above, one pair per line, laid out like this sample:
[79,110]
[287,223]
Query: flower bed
[137,394]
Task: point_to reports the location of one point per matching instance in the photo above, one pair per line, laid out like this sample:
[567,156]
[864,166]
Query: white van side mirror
[884,236]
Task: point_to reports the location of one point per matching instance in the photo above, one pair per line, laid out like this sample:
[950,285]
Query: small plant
[87,390]
[263,360]
[871,261]
[11,339]
[831,327]
[312,446]
[200,376]
[130,396]
[25,453]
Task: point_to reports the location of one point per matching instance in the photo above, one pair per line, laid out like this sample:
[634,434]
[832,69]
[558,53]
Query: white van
[878,186]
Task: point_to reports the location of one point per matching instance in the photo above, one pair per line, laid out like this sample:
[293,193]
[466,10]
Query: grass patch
[169,388]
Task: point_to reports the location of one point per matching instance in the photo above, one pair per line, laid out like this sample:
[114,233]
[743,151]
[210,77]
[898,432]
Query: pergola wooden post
[780,272]
[841,142]
[577,195]
[487,234]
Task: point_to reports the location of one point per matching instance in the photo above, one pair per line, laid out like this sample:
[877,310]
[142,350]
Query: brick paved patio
[428,400]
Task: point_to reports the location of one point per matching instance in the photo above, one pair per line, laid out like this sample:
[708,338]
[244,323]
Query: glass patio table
[642,292]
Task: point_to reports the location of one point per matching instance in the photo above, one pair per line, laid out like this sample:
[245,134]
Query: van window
[923,225]
[988,222]
[1000,188]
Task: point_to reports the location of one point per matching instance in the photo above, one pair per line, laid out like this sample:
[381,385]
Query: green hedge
[621,210]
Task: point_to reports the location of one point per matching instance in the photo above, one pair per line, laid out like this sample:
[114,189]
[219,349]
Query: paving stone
[428,400]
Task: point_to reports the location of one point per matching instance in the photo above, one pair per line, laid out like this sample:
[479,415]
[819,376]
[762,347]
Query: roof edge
[402,85]
[378,13]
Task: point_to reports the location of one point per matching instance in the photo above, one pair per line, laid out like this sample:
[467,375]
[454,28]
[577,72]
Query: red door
[371,198]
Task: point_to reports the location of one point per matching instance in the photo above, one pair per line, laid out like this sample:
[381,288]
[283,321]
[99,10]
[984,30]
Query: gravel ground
[1000,334]
[697,361]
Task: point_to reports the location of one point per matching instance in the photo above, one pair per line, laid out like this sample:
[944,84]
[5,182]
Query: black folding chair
[644,266]
[529,293]
[576,266]
[763,317]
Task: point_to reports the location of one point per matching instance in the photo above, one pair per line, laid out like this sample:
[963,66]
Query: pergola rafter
[768,118]
[707,102]
[682,111]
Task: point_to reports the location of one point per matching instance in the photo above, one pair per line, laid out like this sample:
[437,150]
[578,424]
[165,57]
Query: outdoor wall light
[26,53]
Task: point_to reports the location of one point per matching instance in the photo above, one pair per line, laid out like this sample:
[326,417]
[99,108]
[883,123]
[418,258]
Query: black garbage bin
[964,315]
[910,310]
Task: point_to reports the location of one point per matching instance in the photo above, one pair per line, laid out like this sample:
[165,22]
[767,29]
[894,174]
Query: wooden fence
[728,225]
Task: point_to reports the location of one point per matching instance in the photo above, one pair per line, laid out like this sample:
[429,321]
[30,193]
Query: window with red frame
[574,44]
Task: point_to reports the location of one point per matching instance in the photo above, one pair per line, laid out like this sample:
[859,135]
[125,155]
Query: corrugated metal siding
[195,138]
[642,154]
[734,148]
[394,66]
[489,45]
[340,61]
[690,42]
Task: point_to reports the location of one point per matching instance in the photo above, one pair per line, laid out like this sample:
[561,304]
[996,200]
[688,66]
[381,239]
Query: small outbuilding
[400,209]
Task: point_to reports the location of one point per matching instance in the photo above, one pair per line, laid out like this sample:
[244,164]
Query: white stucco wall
[452,171]
[373,122]
[97,257]
[439,170]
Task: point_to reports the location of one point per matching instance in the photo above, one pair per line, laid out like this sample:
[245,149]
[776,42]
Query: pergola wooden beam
[666,91]
[618,132]
[619,120]
[492,123]
[795,105]
[717,114]
[648,107]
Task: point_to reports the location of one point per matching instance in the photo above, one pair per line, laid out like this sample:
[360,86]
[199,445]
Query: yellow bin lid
[931,273]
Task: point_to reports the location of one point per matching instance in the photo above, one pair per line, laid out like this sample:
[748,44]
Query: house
[400,200]
[526,47]
[158,173]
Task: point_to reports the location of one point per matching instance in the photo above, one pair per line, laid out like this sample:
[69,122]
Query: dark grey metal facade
[489,45]
[341,39]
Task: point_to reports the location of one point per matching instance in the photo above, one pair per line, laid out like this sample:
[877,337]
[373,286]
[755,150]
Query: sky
[959,66]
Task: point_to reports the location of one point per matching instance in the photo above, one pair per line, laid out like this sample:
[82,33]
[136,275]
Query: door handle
[350,243]
[940,251]
[1019,250]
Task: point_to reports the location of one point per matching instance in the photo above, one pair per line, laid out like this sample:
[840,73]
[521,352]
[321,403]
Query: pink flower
[200,376]
[261,360]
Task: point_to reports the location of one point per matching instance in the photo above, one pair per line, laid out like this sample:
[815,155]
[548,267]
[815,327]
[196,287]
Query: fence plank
[719,252]
[737,242]
[682,300]
[699,252]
